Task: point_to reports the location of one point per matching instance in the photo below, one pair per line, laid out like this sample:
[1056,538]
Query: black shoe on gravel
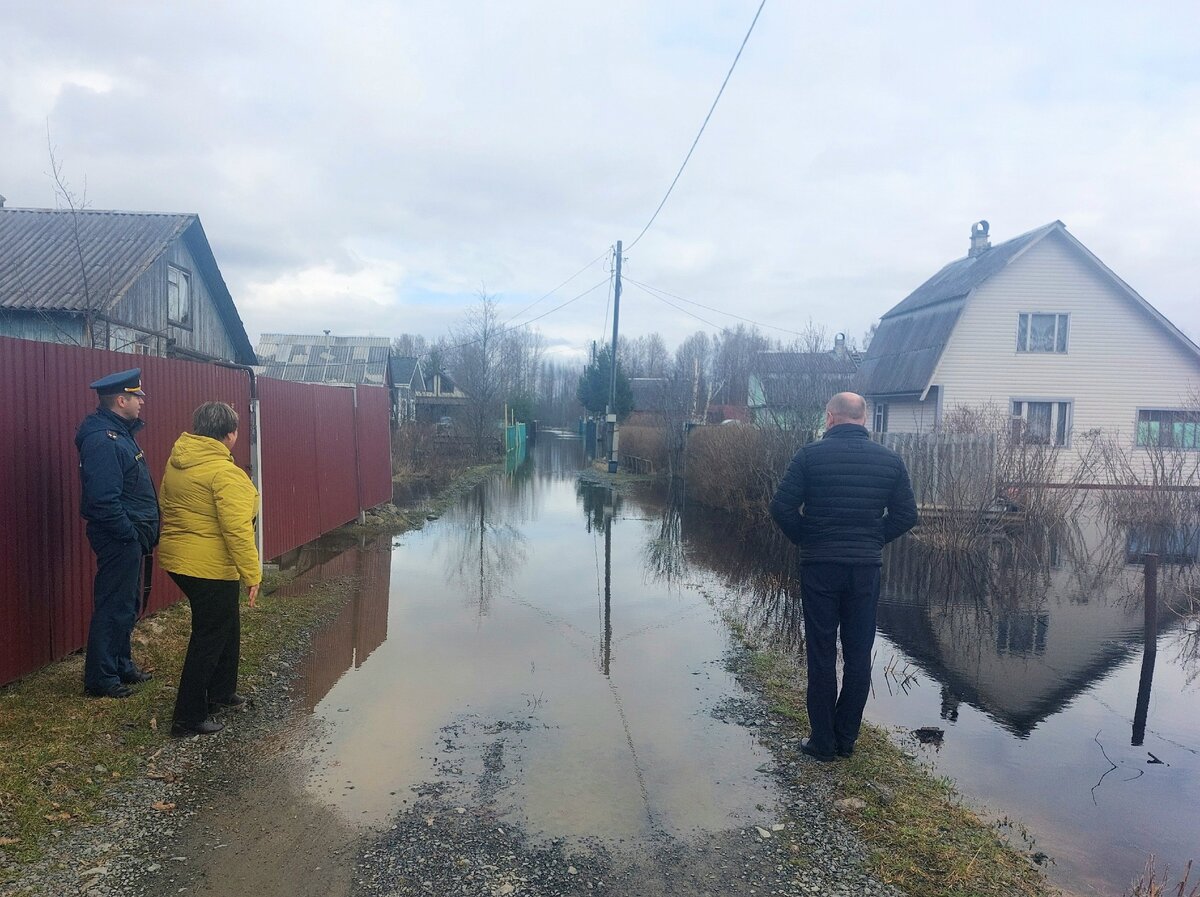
[204,727]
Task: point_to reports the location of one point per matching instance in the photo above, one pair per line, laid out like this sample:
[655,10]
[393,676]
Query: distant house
[651,401]
[320,358]
[790,389]
[139,282]
[440,398]
[1039,328]
[408,380]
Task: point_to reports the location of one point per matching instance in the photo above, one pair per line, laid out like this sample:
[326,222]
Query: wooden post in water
[1149,648]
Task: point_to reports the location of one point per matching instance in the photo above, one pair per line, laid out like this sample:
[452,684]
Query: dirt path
[250,827]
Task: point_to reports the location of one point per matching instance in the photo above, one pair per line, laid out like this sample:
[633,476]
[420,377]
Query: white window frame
[1062,332]
[183,286]
[1056,424]
[1137,428]
[879,418]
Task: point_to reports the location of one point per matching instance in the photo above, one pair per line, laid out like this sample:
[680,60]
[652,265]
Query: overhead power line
[673,305]
[654,290]
[702,126]
[506,329]
[560,286]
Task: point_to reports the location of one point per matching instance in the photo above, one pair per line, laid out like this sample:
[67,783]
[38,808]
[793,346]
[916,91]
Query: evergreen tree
[594,385]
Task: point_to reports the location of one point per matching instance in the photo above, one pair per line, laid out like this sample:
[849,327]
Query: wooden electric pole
[612,386]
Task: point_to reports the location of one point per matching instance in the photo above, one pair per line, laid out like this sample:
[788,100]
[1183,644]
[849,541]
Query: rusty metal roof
[54,259]
[317,358]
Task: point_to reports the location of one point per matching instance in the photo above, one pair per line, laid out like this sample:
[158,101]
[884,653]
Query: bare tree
[476,363]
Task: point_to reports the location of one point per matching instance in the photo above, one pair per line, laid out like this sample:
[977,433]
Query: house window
[1165,428]
[179,297]
[1040,332]
[1041,423]
[881,417]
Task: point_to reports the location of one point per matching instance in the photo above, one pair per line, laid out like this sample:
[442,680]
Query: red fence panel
[333,426]
[374,428]
[290,470]
[24,596]
[320,455]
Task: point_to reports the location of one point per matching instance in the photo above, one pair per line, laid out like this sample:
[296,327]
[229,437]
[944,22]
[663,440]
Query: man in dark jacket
[843,498]
[121,509]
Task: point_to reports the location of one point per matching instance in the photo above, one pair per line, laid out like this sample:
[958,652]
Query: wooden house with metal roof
[140,282]
[790,389]
[1041,329]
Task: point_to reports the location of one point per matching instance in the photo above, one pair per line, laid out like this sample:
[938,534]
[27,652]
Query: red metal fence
[323,460]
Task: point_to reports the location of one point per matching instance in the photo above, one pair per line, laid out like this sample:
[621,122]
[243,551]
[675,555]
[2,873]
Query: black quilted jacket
[843,498]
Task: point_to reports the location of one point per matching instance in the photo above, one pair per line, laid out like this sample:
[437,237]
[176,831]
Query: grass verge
[61,752]
[922,839]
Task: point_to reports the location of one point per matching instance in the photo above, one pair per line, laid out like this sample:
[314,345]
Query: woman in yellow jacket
[208,509]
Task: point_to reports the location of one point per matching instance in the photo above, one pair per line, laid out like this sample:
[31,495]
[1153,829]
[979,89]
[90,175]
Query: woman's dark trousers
[210,669]
[837,596]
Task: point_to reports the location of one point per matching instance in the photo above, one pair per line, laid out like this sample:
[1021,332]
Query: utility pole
[612,386]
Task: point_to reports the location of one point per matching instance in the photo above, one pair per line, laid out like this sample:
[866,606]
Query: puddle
[525,658]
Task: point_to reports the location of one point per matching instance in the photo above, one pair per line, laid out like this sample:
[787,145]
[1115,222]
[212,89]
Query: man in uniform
[843,498]
[121,509]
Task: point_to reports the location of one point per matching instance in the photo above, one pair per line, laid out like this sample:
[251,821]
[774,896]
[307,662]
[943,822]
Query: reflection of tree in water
[489,547]
[664,556]
[758,568]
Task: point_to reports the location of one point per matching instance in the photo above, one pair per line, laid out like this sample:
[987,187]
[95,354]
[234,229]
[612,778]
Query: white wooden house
[1041,329]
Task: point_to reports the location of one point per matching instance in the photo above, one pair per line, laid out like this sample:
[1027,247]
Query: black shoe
[137,677]
[843,751]
[204,727]
[806,748]
[113,691]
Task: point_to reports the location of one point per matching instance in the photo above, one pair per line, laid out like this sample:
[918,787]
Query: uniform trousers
[116,593]
[838,597]
[211,666]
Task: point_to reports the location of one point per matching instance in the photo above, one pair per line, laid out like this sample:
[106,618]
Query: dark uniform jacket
[843,498]
[119,501]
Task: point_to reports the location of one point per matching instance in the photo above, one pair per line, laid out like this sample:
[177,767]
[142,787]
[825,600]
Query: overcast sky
[367,167]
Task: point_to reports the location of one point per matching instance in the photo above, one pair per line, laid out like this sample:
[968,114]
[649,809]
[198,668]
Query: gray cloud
[366,166]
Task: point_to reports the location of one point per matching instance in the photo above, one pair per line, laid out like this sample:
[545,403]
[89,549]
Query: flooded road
[546,662]
[521,654]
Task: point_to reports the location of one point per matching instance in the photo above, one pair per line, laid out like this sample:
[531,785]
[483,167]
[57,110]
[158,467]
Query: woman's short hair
[215,420]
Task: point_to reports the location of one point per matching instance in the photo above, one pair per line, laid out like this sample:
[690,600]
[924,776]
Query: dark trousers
[838,596]
[211,666]
[115,597]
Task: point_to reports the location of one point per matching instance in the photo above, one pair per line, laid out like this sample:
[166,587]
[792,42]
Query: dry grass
[736,468]
[922,839]
[645,442]
[1151,883]
[60,751]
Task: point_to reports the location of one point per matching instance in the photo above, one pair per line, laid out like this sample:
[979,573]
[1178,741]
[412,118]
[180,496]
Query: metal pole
[1149,649]
[612,386]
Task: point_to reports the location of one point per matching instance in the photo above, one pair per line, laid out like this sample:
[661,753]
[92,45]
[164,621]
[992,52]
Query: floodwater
[1030,661]
[517,652]
[557,652]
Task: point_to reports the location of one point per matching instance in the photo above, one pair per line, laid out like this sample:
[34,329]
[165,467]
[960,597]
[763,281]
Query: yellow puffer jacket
[208,508]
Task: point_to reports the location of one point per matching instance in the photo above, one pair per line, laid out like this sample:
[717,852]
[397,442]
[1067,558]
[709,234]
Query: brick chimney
[979,239]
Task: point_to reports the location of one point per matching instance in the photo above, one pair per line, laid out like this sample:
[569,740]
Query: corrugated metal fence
[326,454]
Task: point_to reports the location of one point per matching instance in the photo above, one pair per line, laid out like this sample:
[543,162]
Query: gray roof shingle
[40,261]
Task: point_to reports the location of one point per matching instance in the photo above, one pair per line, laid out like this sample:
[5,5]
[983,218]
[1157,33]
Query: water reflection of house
[1016,637]
[360,626]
